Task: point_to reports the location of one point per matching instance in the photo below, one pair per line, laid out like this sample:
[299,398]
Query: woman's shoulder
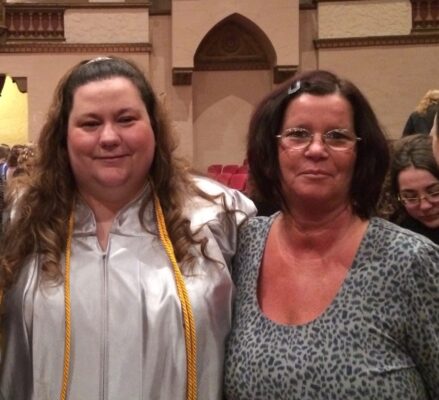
[257,223]
[388,231]
[401,245]
[253,232]
[204,209]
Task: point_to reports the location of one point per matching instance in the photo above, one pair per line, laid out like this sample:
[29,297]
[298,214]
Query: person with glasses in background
[414,182]
[332,302]
[434,133]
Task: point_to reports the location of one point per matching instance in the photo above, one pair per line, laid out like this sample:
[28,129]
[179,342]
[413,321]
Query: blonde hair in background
[431,97]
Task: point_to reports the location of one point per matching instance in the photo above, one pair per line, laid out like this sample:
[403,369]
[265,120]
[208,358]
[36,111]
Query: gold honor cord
[188,317]
[68,333]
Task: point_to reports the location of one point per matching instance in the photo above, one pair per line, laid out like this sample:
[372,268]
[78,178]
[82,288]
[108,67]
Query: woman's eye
[126,119]
[338,135]
[90,124]
[297,133]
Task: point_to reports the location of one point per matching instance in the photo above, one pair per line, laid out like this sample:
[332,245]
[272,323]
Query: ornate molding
[45,22]
[425,15]
[34,23]
[2,82]
[21,82]
[3,34]
[230,46]
[397,40]
[182,76]
[283,72]
[67,4]
[52,47]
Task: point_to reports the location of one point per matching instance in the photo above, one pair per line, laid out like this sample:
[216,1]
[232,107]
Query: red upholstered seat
[224,178]
[230,168]
[238,181]
[214,168]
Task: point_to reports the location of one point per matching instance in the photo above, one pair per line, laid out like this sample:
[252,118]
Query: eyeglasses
[410,199]
[300,138]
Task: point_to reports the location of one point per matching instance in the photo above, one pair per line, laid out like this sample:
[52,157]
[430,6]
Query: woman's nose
[109,135]
[317,147]
[424,204]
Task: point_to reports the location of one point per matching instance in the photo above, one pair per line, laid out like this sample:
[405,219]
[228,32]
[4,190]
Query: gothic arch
[235,43]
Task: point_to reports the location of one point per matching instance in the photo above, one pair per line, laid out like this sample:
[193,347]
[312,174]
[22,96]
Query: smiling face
[317,174]
[414,182]
[110,140]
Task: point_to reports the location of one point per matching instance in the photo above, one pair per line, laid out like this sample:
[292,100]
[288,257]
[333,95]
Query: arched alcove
[235,43]
[233,70]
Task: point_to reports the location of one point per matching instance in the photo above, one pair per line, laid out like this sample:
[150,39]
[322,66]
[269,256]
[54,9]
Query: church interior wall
[279,22]
[308,31]
[394,79]
[106,26]
[364,18]
[211,124]
[223,103]
[43,71]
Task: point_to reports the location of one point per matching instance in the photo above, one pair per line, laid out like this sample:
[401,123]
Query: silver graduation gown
[127,331]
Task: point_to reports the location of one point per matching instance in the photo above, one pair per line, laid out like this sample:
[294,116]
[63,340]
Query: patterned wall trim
[425,15]
[102,48]
[21,82]
[45,22]
[182,76]
[397,40]
[34,23]
[283,72]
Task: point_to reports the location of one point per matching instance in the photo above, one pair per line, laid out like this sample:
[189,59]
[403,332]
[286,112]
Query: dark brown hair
[262,146]
[416,151]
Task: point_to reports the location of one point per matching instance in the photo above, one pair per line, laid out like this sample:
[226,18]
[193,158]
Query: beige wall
[393,78]
[223,103]
[43,71]
[364,18]
[211,116]
[279,20]
[307,33]
[106,26]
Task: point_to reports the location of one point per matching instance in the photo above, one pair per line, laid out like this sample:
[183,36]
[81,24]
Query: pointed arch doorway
[232,72]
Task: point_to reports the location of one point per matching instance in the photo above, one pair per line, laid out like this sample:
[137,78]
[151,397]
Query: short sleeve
[222,224]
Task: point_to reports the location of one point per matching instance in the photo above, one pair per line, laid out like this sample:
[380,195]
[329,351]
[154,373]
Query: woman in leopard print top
[332,303]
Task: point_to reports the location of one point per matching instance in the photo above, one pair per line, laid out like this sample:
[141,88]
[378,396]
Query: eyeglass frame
[353,139]
[417,199]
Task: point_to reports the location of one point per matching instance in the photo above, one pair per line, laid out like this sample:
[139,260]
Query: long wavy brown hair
[44,205]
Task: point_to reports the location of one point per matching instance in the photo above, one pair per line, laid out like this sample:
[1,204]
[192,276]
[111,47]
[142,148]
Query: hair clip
[102,58]
[295,89]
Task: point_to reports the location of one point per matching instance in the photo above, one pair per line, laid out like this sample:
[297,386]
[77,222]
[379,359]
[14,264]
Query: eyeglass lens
[337,139]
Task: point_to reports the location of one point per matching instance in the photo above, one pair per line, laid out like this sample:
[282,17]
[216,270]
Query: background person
[4,153]
[435,135]
[332,303]
[421,120]
[414,182]
[12,160]
[114,268]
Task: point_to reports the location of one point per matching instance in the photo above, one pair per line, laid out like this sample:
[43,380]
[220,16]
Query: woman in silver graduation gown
[127,336]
